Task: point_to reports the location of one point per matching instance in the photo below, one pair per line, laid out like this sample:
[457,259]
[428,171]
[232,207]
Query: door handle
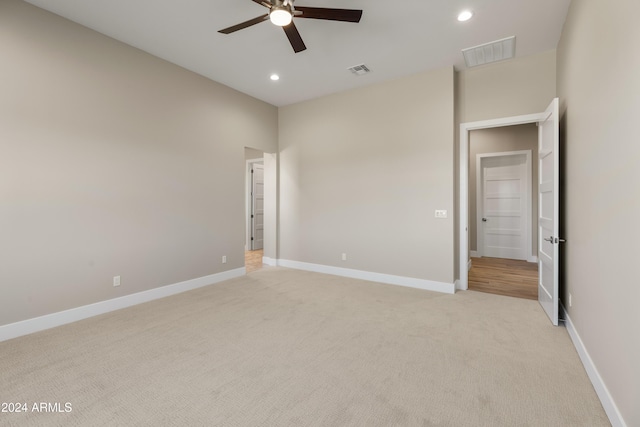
[484,219]
[552,240]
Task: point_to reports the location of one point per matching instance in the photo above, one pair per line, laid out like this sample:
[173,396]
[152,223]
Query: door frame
[528,199]
[463,183]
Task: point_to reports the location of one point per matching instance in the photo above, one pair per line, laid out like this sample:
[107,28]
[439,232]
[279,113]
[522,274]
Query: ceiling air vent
[498,50]
[359,70]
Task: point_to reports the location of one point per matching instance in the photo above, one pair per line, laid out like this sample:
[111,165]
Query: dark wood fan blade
[345,15]
[263,3]
[294,37]
[245,24]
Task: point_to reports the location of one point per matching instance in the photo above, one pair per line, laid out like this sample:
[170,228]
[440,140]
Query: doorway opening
[259,209]
[466,130]
[548,202]
[503,210]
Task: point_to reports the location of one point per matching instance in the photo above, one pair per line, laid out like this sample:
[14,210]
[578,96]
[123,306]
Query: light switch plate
[441,213]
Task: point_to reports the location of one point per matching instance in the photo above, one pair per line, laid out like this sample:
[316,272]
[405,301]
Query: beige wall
[112,162]
[521,86]
[496,140]
[599,89]
[361,172]
[252,154]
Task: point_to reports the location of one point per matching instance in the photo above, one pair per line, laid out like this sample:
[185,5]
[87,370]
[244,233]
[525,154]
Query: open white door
[257,207]
[548,211]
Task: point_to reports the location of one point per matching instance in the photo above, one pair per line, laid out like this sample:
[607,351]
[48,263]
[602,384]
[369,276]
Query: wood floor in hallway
[253,260]
[508,277]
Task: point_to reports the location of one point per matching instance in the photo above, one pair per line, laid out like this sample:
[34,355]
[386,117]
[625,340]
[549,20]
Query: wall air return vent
[498,50]
[359,70]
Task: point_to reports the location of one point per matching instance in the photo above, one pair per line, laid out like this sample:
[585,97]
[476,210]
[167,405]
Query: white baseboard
[269,261]
[428,285]
[601,389]
[474,254]
[533,258]
[29,326]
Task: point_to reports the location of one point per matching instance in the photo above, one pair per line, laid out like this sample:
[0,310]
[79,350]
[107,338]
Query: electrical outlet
[116,280]
[344,257]
[224,259]
[569,300]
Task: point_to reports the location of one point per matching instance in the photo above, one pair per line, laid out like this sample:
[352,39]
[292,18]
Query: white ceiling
[394,38]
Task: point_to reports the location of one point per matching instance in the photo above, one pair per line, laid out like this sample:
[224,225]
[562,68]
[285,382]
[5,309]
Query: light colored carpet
[282,347]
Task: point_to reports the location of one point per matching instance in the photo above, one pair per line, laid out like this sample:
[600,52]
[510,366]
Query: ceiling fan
[281,13]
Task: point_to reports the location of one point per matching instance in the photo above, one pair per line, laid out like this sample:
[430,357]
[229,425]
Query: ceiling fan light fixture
[465,15]
[280,16]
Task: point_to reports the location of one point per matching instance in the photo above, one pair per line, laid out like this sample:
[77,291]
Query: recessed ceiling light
[275,77]
[465,15]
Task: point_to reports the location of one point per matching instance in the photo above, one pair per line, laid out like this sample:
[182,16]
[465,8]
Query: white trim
[269,261]
[528,177]
[533,258]
[474,254]
[428,285]
[465,128]
[615,417]
[29,326]
[270,245]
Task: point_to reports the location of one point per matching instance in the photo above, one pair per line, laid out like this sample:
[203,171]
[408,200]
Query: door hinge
[252,239]
[251,216]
